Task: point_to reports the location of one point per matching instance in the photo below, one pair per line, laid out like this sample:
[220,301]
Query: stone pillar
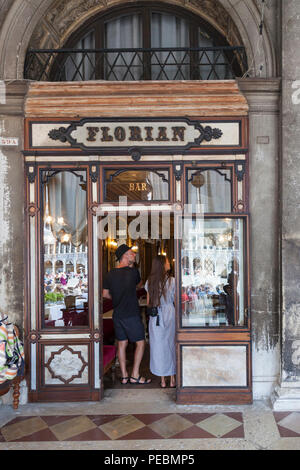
[12,94]
[12,200]
[263,96]
[287,395]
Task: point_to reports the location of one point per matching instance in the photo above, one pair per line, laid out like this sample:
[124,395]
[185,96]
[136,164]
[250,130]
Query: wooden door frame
[33,338]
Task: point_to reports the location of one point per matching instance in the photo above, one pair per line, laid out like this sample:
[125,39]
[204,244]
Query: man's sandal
[138,381]
[124,378]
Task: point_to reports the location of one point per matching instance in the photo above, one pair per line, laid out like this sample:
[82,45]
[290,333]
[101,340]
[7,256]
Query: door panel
[213,325]
[62,312]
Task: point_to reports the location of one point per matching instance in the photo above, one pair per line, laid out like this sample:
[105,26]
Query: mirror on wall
[65,248]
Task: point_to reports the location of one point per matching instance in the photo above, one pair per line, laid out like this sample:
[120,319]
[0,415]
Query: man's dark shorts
[131,328]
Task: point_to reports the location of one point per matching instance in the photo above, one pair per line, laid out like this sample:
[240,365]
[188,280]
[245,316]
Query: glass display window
[212,272]
[210,190]
[137,185]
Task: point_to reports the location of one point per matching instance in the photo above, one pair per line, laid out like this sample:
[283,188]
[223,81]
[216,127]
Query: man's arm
[106,294]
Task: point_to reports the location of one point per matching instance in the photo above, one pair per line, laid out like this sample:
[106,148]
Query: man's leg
[138,356]
[122,345]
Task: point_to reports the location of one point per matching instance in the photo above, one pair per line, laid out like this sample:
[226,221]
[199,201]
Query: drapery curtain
[124,32]
[160,188]
[215,194]
[80,67]
[65,203]
[169,31]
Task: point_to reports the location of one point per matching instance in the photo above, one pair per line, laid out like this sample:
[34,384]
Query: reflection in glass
[137,185]
[214,64]
[210,189]
[212,273]
[81,66]
[65,248]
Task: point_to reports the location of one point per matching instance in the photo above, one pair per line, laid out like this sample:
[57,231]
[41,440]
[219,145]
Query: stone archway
[49,23]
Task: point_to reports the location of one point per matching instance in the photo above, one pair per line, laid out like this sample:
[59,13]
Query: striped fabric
[11,350]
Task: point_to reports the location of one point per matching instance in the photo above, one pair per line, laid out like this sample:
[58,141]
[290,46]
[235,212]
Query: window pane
[171,32]
[81,66]
[137,185]
[210,190]
[212,273]
[213,65]
[65,249]
[124,32]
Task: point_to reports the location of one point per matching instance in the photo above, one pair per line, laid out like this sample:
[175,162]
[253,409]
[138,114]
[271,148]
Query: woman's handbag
[153,312]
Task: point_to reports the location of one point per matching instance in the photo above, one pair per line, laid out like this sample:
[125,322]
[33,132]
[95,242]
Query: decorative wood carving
[33,336]
[31,173]
[94,173]
[93,208]
[240,169]
[177,169]
[54,354]
[32,210]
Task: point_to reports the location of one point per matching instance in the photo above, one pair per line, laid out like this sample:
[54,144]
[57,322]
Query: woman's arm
[106,294]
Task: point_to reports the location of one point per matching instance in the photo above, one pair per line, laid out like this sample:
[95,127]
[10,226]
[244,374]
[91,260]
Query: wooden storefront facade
[182,129]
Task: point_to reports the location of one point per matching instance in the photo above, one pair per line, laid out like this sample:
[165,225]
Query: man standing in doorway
[120,286]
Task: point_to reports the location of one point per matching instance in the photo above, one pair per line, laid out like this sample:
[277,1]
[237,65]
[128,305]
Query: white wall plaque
[9,141]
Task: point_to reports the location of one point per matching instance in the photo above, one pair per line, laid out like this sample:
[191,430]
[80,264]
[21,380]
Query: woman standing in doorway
[160,288]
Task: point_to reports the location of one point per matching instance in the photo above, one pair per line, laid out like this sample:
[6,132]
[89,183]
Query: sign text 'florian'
[101,134]
[136,134]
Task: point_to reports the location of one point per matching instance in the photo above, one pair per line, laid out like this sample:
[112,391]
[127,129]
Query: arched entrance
[26,26]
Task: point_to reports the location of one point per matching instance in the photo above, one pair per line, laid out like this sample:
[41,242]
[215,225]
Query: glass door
[62,316]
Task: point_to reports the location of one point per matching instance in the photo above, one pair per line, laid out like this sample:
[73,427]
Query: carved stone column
[287,396]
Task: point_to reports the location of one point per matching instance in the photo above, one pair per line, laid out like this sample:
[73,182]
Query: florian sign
[100,134]
[136,137]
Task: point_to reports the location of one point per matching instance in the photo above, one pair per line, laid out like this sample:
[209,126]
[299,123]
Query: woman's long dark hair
[157,280]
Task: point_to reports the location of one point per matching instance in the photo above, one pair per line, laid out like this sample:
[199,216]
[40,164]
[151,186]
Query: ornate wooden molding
[31,173]
[32,210]
[93,208]
[59,352]
[240,169]
[33,336]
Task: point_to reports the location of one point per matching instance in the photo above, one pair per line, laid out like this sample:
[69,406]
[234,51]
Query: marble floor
[132,419]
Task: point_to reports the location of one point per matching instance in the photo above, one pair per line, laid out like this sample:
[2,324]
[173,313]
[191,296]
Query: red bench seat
[109,356]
